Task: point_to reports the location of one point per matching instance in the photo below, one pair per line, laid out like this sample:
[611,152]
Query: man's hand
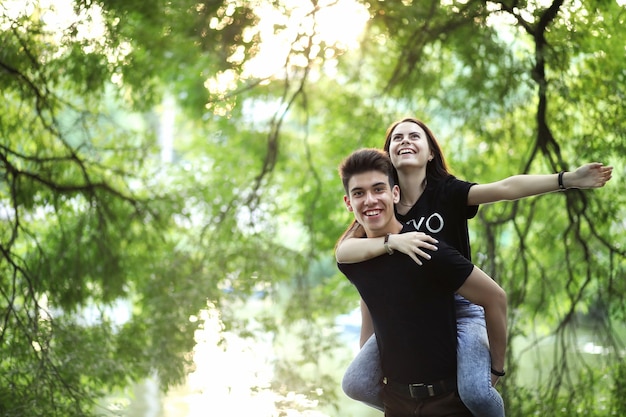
[413,244]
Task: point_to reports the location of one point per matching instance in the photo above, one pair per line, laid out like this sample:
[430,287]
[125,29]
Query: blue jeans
[474,362]
[362,379]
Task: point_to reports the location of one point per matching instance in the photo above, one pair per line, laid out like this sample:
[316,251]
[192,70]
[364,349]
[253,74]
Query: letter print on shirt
[433,224]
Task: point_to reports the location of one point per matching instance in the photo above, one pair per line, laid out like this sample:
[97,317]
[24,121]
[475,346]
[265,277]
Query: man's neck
[394,227]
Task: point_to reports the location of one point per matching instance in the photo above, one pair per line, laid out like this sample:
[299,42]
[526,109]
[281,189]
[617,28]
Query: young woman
[439,205]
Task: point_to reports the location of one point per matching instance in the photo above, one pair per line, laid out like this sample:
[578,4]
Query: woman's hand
[593,175]
[413,244]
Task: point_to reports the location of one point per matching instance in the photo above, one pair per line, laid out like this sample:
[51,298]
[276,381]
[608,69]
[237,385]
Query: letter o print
[438,223]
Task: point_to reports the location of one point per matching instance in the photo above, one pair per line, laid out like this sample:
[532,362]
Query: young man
[412,307]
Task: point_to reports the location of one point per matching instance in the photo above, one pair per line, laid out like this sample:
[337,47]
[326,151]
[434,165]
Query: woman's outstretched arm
[592,175]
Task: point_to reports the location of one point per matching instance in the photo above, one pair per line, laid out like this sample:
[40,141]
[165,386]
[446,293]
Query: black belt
[425,390]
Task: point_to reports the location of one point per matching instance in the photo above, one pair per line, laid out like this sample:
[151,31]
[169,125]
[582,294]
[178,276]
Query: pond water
[236,381]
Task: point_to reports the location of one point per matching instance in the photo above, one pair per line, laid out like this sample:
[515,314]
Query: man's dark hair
[363,160]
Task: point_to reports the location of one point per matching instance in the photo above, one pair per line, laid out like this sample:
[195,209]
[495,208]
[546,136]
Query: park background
[170,198]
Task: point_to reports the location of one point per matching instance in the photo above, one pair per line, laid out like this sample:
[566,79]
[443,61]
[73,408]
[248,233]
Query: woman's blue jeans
[362,379]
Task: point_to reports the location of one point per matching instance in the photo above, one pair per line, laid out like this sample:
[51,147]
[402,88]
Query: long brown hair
[437,168]
[354,230]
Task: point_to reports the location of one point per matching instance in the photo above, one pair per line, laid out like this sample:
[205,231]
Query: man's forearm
[367,326]
[495,318]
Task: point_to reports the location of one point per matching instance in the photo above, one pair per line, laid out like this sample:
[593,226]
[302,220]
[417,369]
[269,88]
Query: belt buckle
[415,389]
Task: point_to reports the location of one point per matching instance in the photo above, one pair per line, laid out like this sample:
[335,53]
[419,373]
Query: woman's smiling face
[409,146]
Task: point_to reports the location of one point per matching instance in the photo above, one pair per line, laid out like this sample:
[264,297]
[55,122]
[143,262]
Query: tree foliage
[98,218]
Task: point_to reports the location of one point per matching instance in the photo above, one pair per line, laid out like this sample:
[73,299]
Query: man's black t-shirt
[412,308]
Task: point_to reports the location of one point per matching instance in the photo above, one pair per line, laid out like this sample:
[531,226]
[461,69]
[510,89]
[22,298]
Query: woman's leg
[474,362]
[363,378]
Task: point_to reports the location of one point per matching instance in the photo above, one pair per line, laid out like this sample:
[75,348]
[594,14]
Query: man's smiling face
[372,200]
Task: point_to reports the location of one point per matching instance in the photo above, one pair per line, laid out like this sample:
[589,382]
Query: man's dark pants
[444,405]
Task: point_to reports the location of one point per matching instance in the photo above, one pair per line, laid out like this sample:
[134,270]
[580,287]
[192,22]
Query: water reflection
[232,378]
[233,375]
